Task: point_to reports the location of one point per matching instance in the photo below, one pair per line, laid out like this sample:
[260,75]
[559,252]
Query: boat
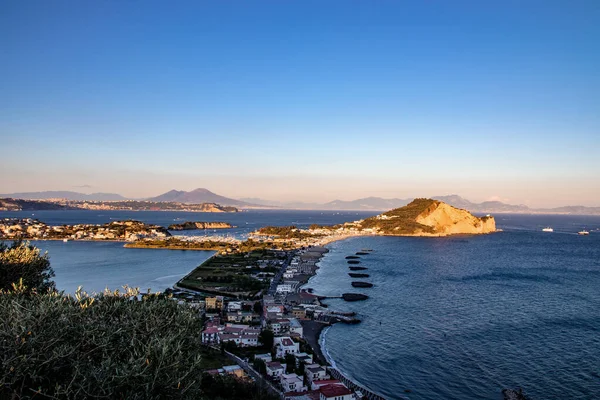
[547,229]
[583,232]
[65,240]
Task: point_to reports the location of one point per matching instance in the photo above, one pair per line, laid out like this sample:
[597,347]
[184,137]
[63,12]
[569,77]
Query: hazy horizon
[303,101]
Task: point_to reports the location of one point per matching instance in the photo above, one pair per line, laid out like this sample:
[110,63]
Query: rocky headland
[427,217]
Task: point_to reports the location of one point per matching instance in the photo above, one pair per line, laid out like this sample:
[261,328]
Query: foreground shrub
[114,346]
[22,261]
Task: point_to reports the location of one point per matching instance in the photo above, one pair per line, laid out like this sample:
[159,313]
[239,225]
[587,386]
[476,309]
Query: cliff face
[447,220]
[427,217]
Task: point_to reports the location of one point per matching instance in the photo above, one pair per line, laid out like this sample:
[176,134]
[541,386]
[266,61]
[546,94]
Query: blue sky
[309,100]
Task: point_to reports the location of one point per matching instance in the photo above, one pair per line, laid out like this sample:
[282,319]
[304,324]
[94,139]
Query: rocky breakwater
[426,217]
[189,225]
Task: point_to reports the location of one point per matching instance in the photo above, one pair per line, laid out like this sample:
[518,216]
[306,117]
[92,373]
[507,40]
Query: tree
[260,366]
[290,363]
[266,337]
[229,346]
[24,261]
[301,368]
[258,308]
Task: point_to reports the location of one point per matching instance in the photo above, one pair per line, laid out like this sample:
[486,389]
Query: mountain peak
[198,196]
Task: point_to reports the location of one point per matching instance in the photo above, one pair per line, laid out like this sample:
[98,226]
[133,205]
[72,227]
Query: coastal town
[273,336]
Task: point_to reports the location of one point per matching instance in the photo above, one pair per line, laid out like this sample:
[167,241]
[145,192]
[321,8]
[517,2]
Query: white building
[285,345]
[275,369]
[291,383]
[284,288]
[336,392]
[315,372]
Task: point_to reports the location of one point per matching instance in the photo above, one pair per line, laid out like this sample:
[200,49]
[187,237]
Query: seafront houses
[336,392]
[275,369]
[316,385]
[315,372]
[285,345]
[281,325]
[273,312]
[291,383]
[295,328]
[305,358]
[299,312]
[302,298]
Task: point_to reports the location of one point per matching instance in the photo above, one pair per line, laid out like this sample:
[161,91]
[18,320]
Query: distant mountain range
[202,195]
[197,196]
[64,194]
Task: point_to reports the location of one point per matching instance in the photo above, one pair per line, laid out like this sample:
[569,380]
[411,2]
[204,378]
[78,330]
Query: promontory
[421,217]
[427,217]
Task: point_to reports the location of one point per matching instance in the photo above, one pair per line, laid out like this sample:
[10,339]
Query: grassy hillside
[402,221]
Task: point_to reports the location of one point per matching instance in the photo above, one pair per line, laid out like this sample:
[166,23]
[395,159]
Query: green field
[231,274]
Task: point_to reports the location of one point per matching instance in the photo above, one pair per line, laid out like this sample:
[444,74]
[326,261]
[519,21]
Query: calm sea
[448,318]
[464,317]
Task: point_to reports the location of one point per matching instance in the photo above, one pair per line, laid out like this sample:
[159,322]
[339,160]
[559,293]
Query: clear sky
[306,100]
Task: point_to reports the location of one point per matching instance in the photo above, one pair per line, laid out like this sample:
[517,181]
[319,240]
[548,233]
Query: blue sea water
[466,316]
[448,318]
[98,265]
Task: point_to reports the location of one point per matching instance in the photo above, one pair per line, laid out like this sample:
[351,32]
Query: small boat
[548,229]
[65,240]
[583,232]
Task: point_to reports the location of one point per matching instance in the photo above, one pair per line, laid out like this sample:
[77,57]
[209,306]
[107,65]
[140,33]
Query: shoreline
[317,332]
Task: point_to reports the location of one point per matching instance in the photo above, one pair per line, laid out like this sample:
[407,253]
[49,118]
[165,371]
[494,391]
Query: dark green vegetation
[402,221]
[228,387]
[174,243]
[21,261]
[232,274]
[112,346]
[287,232]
